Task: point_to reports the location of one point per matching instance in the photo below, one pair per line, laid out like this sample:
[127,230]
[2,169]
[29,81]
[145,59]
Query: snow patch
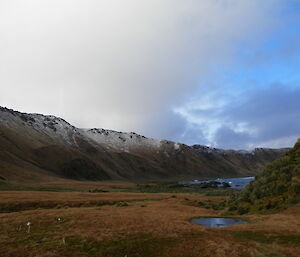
[176,146]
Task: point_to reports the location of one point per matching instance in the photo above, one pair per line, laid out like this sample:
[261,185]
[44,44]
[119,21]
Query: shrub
[122,204]
[276,188]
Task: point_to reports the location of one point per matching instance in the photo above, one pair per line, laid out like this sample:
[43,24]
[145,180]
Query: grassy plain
[133,224]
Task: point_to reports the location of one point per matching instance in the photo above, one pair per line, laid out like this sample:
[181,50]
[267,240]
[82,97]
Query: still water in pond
[218,222]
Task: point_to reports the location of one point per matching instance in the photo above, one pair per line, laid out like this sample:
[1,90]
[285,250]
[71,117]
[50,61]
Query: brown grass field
[122,224]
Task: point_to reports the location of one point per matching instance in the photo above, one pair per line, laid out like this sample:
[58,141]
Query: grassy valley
[108,219]
[63,193]
[109,224]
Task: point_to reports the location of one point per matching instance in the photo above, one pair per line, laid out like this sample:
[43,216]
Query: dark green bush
[276,188]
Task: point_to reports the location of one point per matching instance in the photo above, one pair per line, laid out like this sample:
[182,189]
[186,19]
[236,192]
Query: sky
[223,73]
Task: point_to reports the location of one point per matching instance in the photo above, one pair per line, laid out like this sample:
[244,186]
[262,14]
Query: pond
[218,222]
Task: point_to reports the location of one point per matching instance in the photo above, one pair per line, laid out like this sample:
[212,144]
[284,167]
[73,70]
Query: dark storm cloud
[267,117]
[275,109]
[230,139]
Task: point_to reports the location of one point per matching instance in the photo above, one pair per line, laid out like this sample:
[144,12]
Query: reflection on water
[218,222]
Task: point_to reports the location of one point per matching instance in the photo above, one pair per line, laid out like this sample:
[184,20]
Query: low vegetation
[138,225]
[14,201]
[276,188]
[153,220]
[209,189]
[16,187]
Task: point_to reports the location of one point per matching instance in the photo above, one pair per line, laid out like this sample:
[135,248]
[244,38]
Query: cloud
[116,58]
[125,65]
[268,117]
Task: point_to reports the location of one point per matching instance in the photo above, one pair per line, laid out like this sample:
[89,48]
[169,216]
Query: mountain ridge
[107,154]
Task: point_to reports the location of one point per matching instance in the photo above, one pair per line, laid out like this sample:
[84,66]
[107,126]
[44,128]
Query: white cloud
[120,64]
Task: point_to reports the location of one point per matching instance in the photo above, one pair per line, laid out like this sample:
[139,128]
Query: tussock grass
[268,238]
[162,229]
[14,201]
[180,189]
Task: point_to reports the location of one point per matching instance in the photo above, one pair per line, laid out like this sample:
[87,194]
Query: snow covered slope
[50,146]
[120,141]
[49,126]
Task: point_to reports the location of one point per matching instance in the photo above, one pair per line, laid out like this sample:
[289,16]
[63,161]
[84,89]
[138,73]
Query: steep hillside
[35,147]
[276,188]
